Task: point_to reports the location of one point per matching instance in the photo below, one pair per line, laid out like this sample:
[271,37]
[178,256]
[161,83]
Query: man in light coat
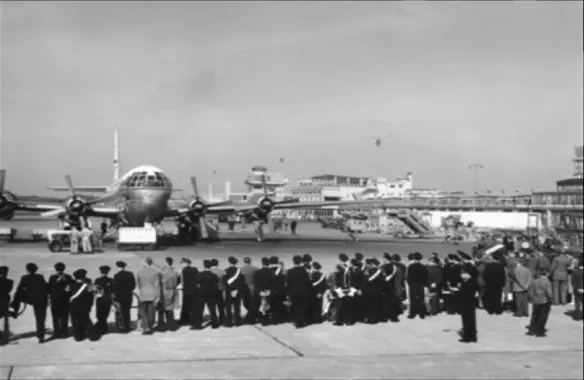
[169,278]
[520,286]
[148,280]
[560,276]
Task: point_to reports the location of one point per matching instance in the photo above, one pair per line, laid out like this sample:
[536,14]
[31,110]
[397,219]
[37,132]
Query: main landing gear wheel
[55,246]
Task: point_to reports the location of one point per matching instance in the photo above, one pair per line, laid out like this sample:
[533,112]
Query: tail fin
[116,157]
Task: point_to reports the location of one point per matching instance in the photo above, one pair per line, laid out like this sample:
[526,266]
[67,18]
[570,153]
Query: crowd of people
[358,290]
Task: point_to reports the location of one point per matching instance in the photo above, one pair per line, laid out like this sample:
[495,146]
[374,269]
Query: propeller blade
[2,179]
[271,223]
[264,185]
[48,214]
[195,187]
[70,184]
[203,228]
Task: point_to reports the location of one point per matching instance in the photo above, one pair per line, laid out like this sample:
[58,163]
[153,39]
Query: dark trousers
[450,303]
[521,304]
[389,307]
[40,317]
[82,326]
[372,307]
[166,320]
[102,311]
[417,302]
[492,299]
[233,308]
[299,306]
[578,306]
[125,306]
[220,306]
[187,309]
[147,311]
[434,304]
[5,333]
[344,313]
[278,307]
[468,315]
[60,314]
[211,303]
[539,317]
[359,308]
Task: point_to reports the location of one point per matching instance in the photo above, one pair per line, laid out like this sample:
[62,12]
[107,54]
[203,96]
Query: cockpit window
[142,179]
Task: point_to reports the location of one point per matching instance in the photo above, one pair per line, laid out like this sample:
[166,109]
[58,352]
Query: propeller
[6,200]
[74,206]
[198,208]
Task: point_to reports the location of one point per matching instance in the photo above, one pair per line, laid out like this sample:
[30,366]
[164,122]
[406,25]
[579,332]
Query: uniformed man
[249,292]
[360,258]
[123,291]
[80,306]
[495,277]
[344,292]
[451,280]
[58,285]
[33,290]
[265,285]
[219,300]
[6,286]
[299,289]
[435,281]
[208,286]
[307,262]
[169,278]
[400,282]
[103,302]
[279,296]
[372,289]
[357,283]
[189,314]
[468,303]
[319,287]
[389,299]
[234,283]
[417,279]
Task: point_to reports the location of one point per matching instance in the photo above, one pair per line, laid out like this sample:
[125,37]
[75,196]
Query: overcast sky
[201,86]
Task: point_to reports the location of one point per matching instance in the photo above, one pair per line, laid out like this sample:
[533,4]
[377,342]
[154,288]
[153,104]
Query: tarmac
[412,349]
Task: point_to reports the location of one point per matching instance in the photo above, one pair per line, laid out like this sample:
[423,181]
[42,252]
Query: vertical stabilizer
[116,156]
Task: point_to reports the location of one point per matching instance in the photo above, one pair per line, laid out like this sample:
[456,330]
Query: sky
[198,88]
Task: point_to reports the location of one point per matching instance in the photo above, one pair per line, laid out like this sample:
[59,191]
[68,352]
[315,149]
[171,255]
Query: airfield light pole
[475,168]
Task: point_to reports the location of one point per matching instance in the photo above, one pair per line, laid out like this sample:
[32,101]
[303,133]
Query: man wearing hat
[80,306]
[104,301]
[169,279]
[342,283]
[495,277]
[467,304]
[319,287]
[435,281]
[209,286]
[234,284]
[400,282]
[58,285]
[32,290]
[279,295]
[123,291]
[520,286]
[357,277]
[307,260]
[373,285]
[540,294]
[560,277]
[6,286]
[219,300]
[389,300]
[248,271]
[451,274]
[417,278]
[265,286]
[189,313]
[149,285]
[299,287]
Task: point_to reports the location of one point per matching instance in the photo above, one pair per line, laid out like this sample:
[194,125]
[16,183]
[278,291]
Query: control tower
[577,160]
[274,181]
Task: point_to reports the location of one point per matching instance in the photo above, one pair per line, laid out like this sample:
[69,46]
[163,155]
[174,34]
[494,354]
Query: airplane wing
[83,189]
[313,205]
[101,212]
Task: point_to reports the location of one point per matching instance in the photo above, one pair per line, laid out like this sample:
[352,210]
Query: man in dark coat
[578,285]
[58,283]
[219,300]
[265,286]
[373,286]
[357,277]
[319,287]
[103,303]
[468,303]
[417,278]
[189,314]
[299,289]
[307,263]
[123,291]
[248,271]
[435,282]
[6,286]
[400,282]
[390,302]
[495,279]
[344,292]
[234,284]
[208,286]
[279,295]
[33,290]
[80,306]
[451,275]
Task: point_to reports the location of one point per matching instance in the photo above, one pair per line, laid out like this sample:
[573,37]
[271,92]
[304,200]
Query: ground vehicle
[59,239]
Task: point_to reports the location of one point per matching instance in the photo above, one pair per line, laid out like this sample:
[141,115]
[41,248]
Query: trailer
[137,237]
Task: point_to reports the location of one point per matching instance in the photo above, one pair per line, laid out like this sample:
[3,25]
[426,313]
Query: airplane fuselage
[145,205]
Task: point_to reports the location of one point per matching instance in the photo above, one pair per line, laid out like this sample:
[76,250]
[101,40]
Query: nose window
[143,179]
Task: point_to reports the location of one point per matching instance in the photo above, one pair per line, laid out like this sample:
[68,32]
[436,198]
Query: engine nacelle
[75,205]
[266,205]
[6,209]
[196,208]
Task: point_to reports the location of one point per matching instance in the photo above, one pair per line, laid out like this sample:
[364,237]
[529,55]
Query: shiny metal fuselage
[144,204]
